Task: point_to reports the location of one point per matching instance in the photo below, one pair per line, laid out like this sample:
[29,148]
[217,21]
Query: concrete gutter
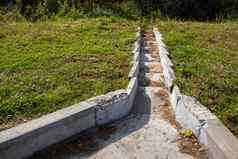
[191,114]
[28,138]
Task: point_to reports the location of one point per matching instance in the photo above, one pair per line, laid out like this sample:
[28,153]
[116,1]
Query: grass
[46,66]
[206,64]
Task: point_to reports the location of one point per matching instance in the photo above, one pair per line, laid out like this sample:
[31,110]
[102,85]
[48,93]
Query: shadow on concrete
[87,143]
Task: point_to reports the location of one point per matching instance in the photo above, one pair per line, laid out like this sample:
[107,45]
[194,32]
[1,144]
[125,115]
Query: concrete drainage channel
[146,129]
[149,131]
[209,130]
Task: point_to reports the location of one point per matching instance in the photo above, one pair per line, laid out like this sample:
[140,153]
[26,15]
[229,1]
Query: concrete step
[151,67]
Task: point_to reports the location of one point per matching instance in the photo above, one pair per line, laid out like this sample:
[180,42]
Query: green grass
[45,66]
[206,64]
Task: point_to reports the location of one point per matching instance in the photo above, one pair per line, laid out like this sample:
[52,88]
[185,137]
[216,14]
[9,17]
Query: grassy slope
[206,64]
[46,66]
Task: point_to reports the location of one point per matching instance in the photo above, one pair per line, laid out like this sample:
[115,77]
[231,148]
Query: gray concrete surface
[134,70]
[33,136]
[222,144]
[145,134]
[25,139]
[131,91]
[166,63]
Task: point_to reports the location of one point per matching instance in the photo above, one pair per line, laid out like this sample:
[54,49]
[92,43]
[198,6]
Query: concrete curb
[166,63]
[26,139]
[191,114]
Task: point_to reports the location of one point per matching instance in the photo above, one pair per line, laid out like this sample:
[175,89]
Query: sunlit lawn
[45,66]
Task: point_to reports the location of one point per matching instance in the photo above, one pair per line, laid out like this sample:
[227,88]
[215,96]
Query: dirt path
[149,132]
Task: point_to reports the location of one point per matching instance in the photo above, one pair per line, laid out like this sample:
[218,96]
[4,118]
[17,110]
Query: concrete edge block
[25,139]
[134,72]
[175,96]
[33,136]
[163,48]
[168,83]
[132,83]
[158,35]
[116,104]
[168,72]
[193,115]
[136,56]
[169,75]
[43,121]
[136,47]
[110,107]
[131,91]
[209,130]
[137,44]
[186,118]
[166,60]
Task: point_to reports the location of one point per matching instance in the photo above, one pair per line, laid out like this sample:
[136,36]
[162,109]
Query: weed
[186,133]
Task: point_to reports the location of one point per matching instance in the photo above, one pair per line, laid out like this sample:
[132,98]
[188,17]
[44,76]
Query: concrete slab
[221,142]
[139,137]
[38,134]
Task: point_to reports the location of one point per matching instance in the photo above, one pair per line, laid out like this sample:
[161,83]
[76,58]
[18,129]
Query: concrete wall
[191,114]
[25,139]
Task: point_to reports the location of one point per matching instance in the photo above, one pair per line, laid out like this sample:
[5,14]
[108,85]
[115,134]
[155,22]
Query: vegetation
[74,9]
[48,65]
[205,57]
[58,52]
[183,9]
[199,10]
[187,133]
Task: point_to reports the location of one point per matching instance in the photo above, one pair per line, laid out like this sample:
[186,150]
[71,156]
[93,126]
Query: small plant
[186,133]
